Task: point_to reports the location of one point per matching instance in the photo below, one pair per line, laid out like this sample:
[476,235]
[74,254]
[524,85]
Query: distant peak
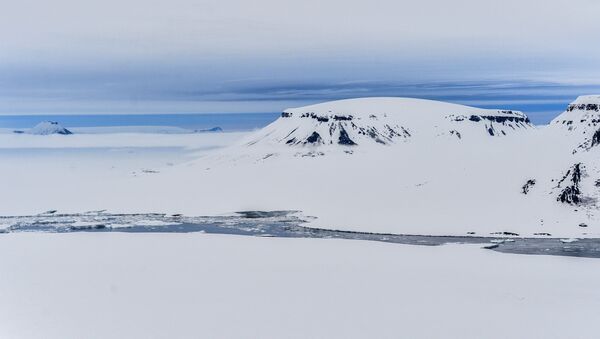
[49,127]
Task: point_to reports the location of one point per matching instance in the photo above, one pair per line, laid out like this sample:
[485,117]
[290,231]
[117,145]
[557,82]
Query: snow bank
[198,285]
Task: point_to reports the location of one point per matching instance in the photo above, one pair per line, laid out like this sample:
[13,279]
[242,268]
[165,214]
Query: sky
[196,56]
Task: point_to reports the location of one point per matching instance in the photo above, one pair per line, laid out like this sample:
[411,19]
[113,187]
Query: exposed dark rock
[263,214]
[371,132]
[571,194]
[286,115]
[342,117]
[455,132]
[595,138]
[583,107]
[87,227]
[292,132]
[394,133]
[528,185]
[491,247]
[319,118]
[499,119]
[505,233]
[332,128]
[314,138]
[344,139]
[311,154]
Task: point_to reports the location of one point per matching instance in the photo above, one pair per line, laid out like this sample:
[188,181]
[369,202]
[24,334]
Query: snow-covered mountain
[579,124]
[385,121]
[420,166]
[49,127]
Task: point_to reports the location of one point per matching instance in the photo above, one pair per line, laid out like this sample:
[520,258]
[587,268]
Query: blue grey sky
[185,56]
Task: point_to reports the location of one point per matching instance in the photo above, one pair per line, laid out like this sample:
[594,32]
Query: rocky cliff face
[569,186]
[346,130]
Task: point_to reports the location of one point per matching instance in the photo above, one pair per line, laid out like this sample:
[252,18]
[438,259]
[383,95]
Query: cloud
[138,91]
[132,29]
[201,55]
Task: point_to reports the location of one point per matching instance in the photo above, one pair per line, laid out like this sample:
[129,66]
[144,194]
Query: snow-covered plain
[108,285]
[391,165]
[376,165]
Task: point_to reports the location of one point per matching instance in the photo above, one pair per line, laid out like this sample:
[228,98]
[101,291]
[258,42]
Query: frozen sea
[228,122]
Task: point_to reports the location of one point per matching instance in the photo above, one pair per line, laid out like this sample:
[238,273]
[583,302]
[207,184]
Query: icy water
[284,224]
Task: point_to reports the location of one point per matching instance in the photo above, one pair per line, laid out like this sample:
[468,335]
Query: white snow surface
[109,285]
[587,99]
[119,140]
[458,170]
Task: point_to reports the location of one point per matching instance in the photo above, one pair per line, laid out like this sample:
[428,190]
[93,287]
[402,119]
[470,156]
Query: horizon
[540,111]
